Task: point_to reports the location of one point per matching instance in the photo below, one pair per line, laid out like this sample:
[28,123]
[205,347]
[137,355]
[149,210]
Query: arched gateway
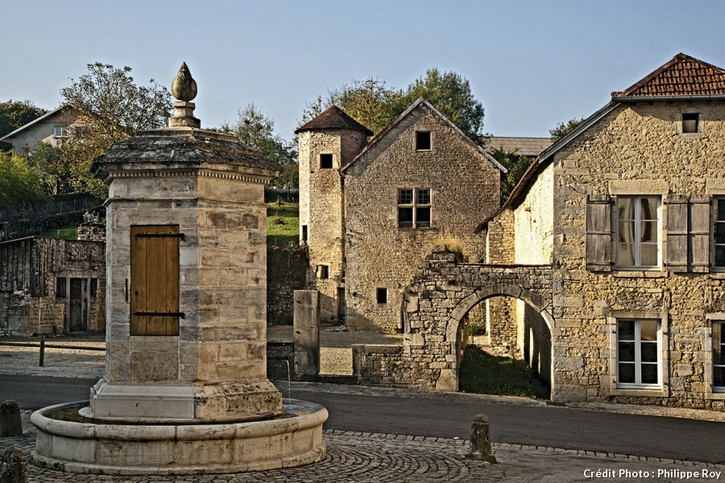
[434,306]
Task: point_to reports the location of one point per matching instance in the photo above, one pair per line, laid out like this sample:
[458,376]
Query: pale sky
[531,63]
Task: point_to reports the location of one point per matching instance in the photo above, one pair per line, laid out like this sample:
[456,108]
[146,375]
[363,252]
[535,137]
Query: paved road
[450,415]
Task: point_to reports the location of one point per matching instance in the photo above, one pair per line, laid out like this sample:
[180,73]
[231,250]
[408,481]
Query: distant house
[51,286]
[50,128]
[369,213]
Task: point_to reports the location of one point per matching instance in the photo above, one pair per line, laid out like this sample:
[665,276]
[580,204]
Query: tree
[18,180]
[516,164]
[54,170]
[112,108]
[254,129]
[564,128]
[373,104]
[14,114]
[451,95]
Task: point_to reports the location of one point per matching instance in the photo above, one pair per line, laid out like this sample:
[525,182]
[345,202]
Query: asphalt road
[451,415]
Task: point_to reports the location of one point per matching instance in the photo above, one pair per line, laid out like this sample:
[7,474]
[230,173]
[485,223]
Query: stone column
[307,333]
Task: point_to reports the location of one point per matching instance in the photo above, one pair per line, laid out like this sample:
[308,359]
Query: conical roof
[333,118]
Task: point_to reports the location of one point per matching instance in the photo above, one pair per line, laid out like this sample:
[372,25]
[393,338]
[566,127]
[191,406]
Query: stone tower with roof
[326,144]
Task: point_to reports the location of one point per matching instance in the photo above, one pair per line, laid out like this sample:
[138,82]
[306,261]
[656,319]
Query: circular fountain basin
[65,442]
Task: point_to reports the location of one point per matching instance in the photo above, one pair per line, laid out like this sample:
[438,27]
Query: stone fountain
[185,387]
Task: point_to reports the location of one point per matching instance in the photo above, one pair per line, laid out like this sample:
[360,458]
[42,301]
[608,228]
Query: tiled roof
[517,145]
[333,118]
[682,76]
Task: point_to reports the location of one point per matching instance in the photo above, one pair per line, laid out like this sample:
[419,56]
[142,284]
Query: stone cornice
[199,173]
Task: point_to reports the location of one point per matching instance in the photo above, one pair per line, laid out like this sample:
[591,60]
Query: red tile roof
[526,146]
[682,76]
[333,118]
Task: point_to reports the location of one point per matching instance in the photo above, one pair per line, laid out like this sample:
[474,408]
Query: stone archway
[531,299]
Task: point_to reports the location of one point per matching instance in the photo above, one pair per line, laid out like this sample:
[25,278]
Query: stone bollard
[10,424]
[480,446]
[13,467]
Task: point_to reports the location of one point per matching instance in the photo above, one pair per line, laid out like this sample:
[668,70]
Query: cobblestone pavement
[363,457]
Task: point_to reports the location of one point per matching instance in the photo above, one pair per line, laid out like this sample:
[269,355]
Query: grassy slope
[283,223]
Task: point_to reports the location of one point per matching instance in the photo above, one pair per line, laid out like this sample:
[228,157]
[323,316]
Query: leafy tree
[516,164]
[564,128]
[14,114]
[18,180]
[112,108]
[373,104]
[54,170]
[451,95]
[253,128]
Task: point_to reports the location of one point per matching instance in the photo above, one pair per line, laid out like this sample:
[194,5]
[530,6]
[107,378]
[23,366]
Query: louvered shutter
[676,233]
[700,232]
[599,234]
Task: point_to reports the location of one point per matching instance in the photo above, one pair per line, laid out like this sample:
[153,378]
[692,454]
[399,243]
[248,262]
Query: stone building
[614,242]
[371,212]
[49,128]
[51,286]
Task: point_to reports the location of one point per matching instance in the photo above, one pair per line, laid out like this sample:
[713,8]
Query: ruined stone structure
[51,286]
[370,213]
[627,214]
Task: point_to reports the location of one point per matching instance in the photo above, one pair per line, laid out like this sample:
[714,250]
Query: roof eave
[9,136]
[696,97]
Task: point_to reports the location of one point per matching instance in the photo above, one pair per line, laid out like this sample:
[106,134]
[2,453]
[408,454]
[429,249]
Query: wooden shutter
[155,280]
[676,233]
[599,234]
[700,232]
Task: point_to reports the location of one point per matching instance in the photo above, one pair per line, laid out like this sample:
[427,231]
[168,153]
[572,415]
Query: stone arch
[532,299]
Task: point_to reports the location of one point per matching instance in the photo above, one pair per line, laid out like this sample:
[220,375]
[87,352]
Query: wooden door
[155,280]
[78,304]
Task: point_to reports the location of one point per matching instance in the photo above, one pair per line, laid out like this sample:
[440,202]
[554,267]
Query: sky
[532,64]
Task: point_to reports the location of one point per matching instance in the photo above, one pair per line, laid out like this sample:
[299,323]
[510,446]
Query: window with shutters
[155,280]
[638,353]
[719,234]
[638,232]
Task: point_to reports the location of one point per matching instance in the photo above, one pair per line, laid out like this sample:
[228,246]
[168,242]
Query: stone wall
[464,189]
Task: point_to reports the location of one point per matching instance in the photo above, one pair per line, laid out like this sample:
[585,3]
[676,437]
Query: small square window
[323,272]
[381,295]
[422,141]
[690,122]
[59,131]
[304,233]
[325,161]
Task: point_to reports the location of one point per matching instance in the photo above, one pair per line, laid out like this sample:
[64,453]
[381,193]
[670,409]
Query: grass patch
[68,232]
[483,373]
[283,223]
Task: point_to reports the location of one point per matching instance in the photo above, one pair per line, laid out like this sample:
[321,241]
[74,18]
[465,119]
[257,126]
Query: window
[94,287]
[718,356]
[304,233]
[60,288]
[638,353]
[422,141]
[719,233]
[381,295]
[690,122]
[638,228]
[414,208]
[59,131]
[325,161]
[323,271]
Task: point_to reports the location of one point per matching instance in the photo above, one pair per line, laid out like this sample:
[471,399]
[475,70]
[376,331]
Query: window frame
[331,161]
[323,272]
[59,132]
[637,223]
[690,116]
[638,363]
[716,389]
[713,237]
[417,207]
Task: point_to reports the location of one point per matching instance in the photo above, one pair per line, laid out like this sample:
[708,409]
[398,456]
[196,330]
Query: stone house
[627,211]
[49,128]
[52,286]
[371,212]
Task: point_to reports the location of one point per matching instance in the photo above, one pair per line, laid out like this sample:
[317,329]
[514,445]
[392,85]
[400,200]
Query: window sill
[643,392]
[717,394]
[691,135]
[634,273]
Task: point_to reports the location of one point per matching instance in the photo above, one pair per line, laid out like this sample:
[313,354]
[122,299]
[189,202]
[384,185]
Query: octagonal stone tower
[186,258]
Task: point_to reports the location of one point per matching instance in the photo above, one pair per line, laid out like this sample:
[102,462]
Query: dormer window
[326,161]
[422,141]
[690,121]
